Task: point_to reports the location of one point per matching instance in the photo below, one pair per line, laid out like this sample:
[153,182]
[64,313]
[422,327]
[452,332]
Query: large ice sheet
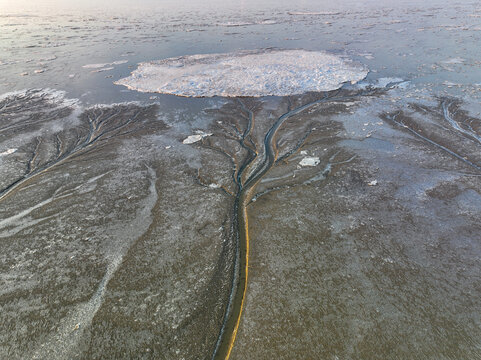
[245,73]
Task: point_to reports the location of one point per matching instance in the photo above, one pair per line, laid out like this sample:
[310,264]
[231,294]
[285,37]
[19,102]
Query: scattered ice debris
[385,81]
[248,23]
[456,60]
[234,24]
[168,147]
[372,183]
[197,137]
[449,83]
[246,73]
[367,56]
[71,76]
[98,66]
[303,152]
[48,58]
[310,161]
[313,12]
[8,152]
[214,186]
[267,22]
[39,71]
[103,69]
[388,260]
[50,96]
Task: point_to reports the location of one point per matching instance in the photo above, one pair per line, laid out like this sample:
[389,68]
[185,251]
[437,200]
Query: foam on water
[245,73]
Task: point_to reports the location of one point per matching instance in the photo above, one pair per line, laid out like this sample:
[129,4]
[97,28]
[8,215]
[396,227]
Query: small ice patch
[385,81]
[194,138]
[310,161]
[382,83]
[313,13]
[456,60]
[8,152]
[235,24]
[103,69]
[98,66]
[256,73]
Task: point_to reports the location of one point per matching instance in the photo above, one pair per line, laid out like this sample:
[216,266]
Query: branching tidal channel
[247,174]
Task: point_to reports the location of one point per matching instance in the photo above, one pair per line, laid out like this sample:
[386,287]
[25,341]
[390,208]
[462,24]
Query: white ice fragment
[267,22]
[8,152]
[313,12]
[234,24]
[449,83]
[194,138]
[385,81]
[168,147]
[39,71]
[372,183]
[94,66]
[245,73]
[214,186]
[303,152]
[103,69]
[97,66]
[456,60]
[310,161]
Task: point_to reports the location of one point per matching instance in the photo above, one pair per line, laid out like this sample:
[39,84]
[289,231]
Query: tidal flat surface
[341,224]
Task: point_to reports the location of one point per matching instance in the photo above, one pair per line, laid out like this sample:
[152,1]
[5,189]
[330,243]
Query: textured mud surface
[121,241]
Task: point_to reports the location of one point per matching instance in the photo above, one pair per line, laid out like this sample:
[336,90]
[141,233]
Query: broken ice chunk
[310,161]
[194,138]
[8,152]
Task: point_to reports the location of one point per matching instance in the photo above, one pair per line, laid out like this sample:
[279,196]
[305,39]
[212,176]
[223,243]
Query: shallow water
[122,237]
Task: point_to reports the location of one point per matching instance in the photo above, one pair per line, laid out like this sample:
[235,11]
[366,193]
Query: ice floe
[7,152]
[383,83]
[245,73]
[310,161]
[103,65]
[247,23]
[456,60]
[194,138]
[103,69]
[313,13]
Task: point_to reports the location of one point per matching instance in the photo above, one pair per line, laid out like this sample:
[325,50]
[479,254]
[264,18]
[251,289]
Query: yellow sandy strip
[234,332]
